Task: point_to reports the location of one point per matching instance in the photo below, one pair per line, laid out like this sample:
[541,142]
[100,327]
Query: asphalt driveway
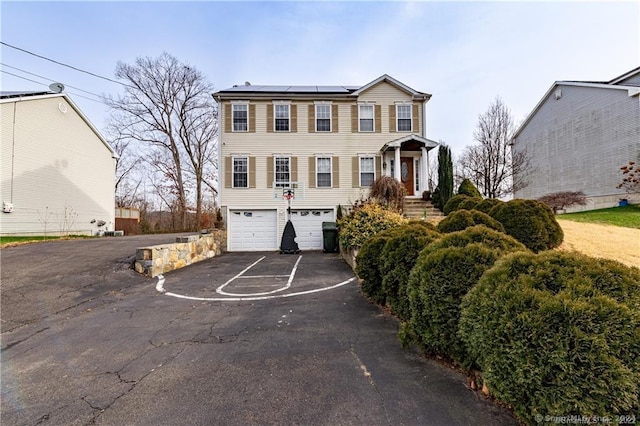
[244,338]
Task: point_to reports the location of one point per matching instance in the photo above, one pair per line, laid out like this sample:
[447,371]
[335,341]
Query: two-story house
[327,143]
[578,137]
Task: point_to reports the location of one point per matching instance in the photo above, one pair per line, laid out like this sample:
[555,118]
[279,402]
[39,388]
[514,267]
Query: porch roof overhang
[409,143]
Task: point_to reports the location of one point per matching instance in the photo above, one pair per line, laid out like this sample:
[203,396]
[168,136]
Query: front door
[406,174]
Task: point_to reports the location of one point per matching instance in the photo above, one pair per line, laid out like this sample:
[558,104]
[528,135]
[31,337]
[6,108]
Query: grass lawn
[627,216]
[15,240]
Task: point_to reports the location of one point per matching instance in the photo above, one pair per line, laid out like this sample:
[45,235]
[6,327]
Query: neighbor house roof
[297,91]
[18,96]
[632,90]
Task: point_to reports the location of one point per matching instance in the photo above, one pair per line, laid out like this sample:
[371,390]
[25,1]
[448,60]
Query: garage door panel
[252,230]
[308,226]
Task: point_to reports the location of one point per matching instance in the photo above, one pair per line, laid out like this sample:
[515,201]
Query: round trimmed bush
[531,222]
[364,222]
[468,204]
[557,334]
[446,269]
[398,258]
[487,204]
[453,202]
[368,263]
[462,219]
[468,188]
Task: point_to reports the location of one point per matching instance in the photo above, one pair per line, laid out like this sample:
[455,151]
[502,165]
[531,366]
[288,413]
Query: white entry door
[253,230]
[308,225]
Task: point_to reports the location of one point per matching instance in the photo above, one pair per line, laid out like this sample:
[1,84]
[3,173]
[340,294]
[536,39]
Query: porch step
[417,208]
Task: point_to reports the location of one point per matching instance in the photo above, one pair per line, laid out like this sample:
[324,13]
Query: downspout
[13,144]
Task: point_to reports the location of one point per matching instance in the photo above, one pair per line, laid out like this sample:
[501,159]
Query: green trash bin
[329,237]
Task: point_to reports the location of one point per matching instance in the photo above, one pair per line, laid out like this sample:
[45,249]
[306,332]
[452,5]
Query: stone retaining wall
[160,259]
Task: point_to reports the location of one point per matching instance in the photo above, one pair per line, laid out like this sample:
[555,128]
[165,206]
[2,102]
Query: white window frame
[276,106]
[327,105]
[233,112]
[233,170]
[281,184]
[330,172]
[360,171]
[373,117]
[398,118]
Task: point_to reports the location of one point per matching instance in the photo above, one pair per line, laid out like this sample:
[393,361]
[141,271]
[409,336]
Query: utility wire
[45,84]
[40,76]
[63,64]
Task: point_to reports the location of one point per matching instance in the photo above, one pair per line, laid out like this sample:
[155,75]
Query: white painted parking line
[237,297]
[252,298]
[220,290]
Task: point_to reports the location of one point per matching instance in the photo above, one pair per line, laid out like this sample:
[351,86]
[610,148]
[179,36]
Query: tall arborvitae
[445,174]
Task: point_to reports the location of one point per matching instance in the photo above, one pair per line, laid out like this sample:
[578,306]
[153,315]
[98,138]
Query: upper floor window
[240,117]
[240,172]
[282,117]
[323,118]
[365,113]
[404,118]
[282,171]
[323,172]
[367,171]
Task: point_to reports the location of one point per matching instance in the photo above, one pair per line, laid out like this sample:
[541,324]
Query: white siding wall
[55,170]
[301,144]
[580,141]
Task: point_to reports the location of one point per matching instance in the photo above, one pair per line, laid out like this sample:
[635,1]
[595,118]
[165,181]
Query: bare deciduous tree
[167,106]
[490,164]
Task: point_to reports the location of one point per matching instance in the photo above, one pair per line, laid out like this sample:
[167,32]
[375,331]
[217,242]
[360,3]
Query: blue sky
[463,53]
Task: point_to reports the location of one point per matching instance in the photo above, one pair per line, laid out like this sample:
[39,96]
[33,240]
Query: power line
[63,64]
[40,76]
[45,84]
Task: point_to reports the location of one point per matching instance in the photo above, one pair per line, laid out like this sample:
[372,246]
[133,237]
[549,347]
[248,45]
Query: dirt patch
[612,242]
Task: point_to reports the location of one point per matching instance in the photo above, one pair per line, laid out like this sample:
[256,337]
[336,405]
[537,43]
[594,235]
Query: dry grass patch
[612,242]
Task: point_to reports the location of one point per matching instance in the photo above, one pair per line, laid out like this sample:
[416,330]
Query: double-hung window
[404,117]
[240,172]
[323,172]
[323,118]
[366,118]
[282,117]
[367,171]
[240,117]
[282,171]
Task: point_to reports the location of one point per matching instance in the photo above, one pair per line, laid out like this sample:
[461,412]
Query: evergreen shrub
[368,263]
[453,203]
[487,204]
[398,258]
[364,221]
[556,334]
[531,222]
[462,219]
[468,188]
[445,270]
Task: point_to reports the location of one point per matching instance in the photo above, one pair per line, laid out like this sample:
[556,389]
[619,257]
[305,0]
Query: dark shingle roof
[19,94]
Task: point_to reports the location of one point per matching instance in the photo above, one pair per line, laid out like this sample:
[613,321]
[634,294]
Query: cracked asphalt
[85,340]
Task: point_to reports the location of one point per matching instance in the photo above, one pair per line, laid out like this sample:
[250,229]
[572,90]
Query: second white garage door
[308,225]
[253,230]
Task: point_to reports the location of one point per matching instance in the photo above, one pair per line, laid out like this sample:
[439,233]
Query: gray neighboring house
[578,137]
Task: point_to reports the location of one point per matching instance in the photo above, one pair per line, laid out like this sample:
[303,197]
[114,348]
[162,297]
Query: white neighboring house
[58,172]
[578,137]
[328,143]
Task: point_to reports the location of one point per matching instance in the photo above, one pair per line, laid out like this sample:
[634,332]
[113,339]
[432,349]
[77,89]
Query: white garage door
[308,225]
[252,230]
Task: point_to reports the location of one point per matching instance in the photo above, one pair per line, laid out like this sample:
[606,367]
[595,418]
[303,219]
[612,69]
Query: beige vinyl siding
[341,143]
[53,166]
